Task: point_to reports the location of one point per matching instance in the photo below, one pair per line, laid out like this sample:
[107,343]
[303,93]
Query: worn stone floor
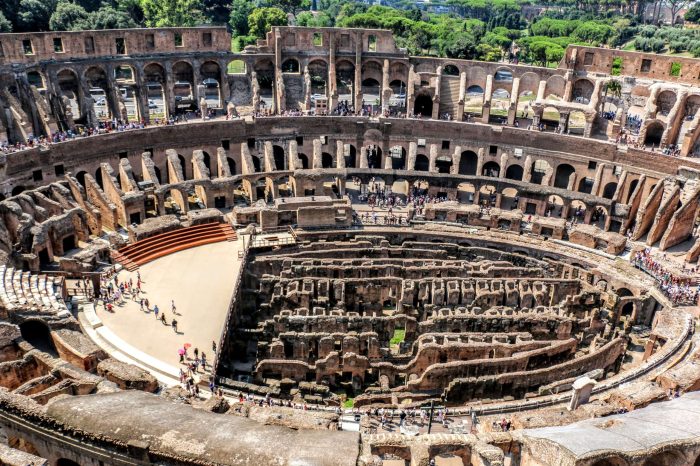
[201,282]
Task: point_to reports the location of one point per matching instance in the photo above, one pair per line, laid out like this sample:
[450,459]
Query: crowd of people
[678,289]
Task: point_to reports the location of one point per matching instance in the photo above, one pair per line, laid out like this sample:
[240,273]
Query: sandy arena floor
[200,280]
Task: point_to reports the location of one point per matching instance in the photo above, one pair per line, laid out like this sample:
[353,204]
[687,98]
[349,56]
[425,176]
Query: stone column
[387,158]
[540,91]
[386,90]
[339,154]
[410,92]
[436,98]
[113,98]
[358,70]
[527,173]
[168,84]
[504,165]
[486,109]
[279,78]
[141,96]
[268,158]
[571,185]
[513,109]
[317,155]
[197,78]
[225,89]
[563,122]
[675,118]
[332,84]
[364,163]
[412,152]
[433,158]
[568,87]
[462,97]
[456,159]
[597,180]
[480,161]
[293,156]
[620,186]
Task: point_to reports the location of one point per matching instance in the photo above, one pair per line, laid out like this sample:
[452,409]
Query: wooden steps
[149,249]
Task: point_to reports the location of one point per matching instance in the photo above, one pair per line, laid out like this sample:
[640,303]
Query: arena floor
[200,280]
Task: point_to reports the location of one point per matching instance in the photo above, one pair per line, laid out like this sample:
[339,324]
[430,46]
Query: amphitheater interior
[484,264]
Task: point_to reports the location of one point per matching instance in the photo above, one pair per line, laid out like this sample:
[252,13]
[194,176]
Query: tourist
[155,311]
[174,324]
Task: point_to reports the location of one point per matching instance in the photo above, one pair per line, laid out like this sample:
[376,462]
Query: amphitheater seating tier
[19,289]
[149,249]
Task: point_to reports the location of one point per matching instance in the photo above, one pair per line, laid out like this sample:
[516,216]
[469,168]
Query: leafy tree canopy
[172,13]
[261,20]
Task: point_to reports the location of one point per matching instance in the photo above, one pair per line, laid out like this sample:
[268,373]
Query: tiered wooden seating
[24,290]
[149,249]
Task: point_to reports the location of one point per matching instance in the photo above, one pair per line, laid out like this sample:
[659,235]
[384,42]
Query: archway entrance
[423,106]
[38,334]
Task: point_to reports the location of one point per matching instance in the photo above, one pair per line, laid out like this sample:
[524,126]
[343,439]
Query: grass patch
[399,336]
[349,403]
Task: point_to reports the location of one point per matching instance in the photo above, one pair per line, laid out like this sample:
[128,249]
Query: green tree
[5,24]
[34,15]
[290,6]
[172,13]
[109,18]
[308,19]
[693,14]
[261,20]
[69,17]
[216,11]
[238,19]
[131,8]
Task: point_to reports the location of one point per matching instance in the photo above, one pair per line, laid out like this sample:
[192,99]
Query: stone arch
[666,458]
[422,163]
[503,75]
[290,65]
[665,102]
[654,131]
[550,117]
[326,160]
[210,73]
[585,185]
[265,74]
[304,161]
[98,177]
[508,198]
[474,100]
[279,158]
[154,75]
[491,169]
[80,176]
[36,78]
[318,70]
[183,88]
[350,156]
[69,85]
[450,70]
[345,79]
[612,461]
[609,190]
[183,165]
[500,103]
[624,292]
[38,334]
[577,122]
[465,193]
[538,171]
[98,87]
[423,105]
[514,172]
[371,91]
[555,87]
[582,91]
[231,165]
[562,175]
[633,186]
[66,462]
[476,76]
[468,163]
[691,107]
[236,67]
[555,206]
[18,190]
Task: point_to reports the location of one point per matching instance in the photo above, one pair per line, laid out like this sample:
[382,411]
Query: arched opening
[236,67]
[665,102]
[265,75]
[99,92]
[500,103]
[37,333]
[633,186]
[468,163]
[450,70]
[474,100]
[509,199]
[624,292]
[68,243]
[68,85]
[550,119]
[555,206]
[158,177]
[465,193]
[443,164]
[37,80]
[538,172]
[577,210]
[423,106]
[66,462]
[599,216]
[98,177]
[126,84]
[577,123]
[278,155]
[422,163]
[81,178]
[585,185]
[487,195]
[398,94]
[525,112]
[371,93]
[304,161]
[210,73]
[491,169]
[257,165]
[345,80]
[653,135]
[290,65]
[326,160]
[155,90]
[183,165]
[350,156]
[206,159]
[563,175]
[318,70]
[503,75]
[231,165]
[514,172]
[398,158]
[374,156]
[611,462]
[582,91]
[18,190]
[609,190]
[183,88]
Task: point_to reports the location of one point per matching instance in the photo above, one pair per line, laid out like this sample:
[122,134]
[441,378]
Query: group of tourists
[677,289]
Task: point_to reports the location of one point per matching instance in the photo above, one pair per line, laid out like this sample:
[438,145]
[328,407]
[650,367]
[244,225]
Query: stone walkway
[200,280]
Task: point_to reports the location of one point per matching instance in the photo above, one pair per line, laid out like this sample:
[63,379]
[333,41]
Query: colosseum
[346,255]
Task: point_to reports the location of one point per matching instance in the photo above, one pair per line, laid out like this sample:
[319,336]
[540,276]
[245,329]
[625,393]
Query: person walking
[155,311]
